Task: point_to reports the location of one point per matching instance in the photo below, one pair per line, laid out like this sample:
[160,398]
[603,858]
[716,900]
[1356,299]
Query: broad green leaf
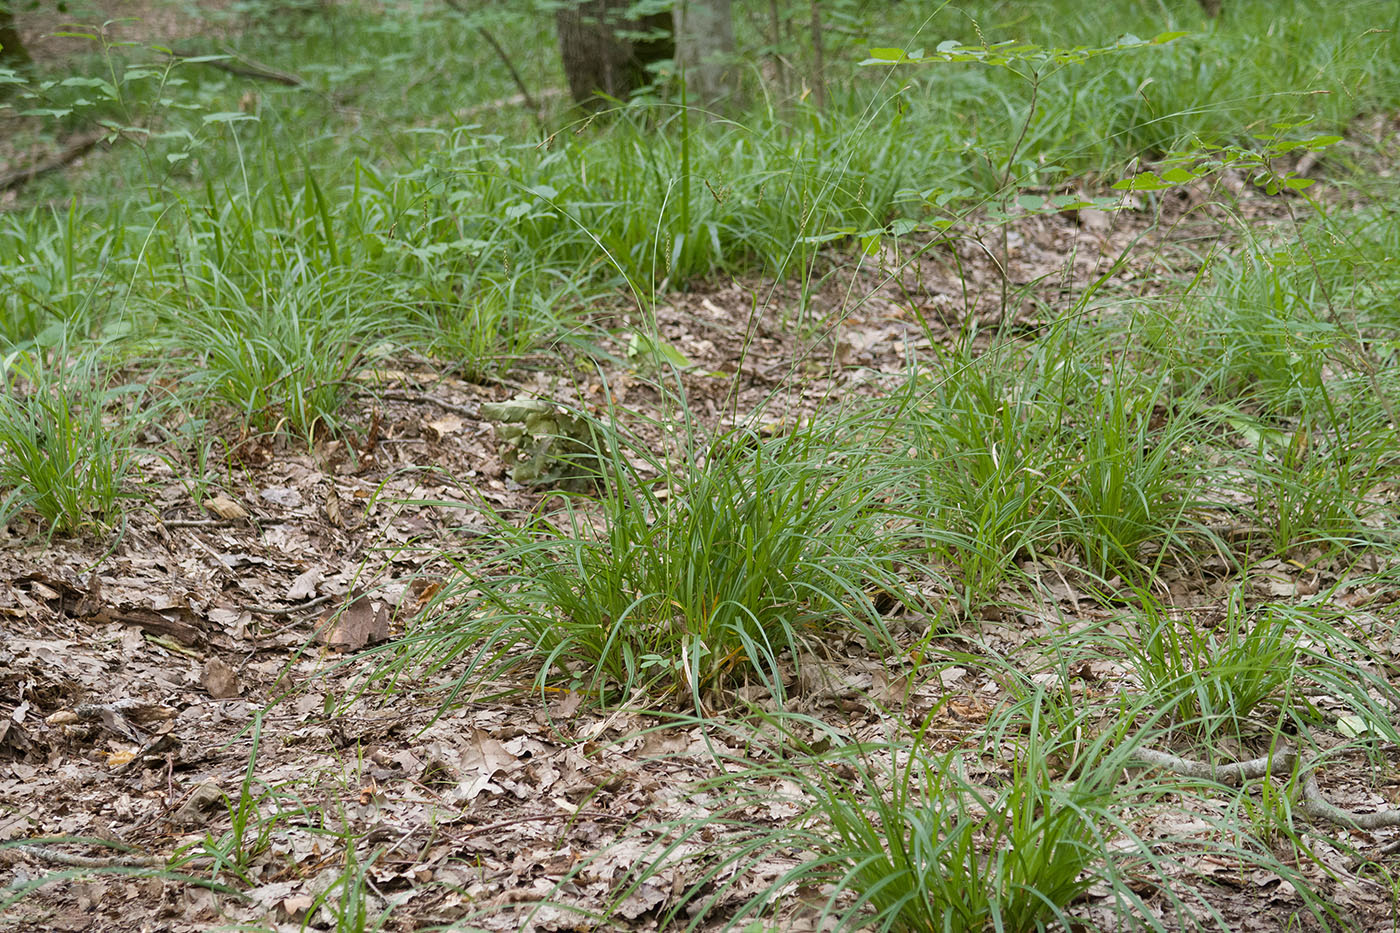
[1146,181]
[641,345]
[1352,726]
[885,56]
[1322,142]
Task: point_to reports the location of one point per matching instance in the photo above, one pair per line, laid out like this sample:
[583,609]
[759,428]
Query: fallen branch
[59,857]
[242,67]
[70,154]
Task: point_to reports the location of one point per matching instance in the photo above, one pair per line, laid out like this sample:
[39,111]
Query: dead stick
[86,861]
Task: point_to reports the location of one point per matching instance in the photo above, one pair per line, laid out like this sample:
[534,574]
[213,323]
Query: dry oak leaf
[224,507]
[364,621]
[220,680]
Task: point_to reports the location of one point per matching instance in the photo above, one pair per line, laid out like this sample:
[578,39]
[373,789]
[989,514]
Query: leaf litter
[187,694]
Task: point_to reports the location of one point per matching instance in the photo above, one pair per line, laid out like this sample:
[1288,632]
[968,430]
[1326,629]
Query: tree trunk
[705,48]
[12,50]
[818,58]
[606,53]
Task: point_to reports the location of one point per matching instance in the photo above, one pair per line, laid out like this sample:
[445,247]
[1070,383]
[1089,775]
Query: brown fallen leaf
[450,424]
[304,586]
[224,507]
[205,797]
[220,680]
[364,621]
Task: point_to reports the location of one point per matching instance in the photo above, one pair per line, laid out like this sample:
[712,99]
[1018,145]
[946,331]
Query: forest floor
[198,730]
[167,695]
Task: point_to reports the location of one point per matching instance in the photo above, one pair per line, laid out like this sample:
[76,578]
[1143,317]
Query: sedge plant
[731,568]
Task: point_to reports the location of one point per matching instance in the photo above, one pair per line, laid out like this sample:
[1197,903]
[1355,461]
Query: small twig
[72,153]
[195,522]
[219,564]
[1231,774]
[289,610]
[506,824]
[415,398]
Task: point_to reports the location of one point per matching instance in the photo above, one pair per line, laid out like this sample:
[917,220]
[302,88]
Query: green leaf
[1322,142]
[228,116]
[640,345]
[1352,726]
[885,56]
[1146,181]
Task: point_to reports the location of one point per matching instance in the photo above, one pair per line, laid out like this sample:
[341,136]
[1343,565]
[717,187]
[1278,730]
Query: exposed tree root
[1310,801]
[1314,805]
[1232,774]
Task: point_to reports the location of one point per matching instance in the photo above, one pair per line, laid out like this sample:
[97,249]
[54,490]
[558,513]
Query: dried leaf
[224,507]
[220,680]
[364,621]
[304,586]
[284,496]
[205,797]
[442,427]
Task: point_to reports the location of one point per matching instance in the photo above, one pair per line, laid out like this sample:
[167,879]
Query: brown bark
[12,50]
[602,50]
